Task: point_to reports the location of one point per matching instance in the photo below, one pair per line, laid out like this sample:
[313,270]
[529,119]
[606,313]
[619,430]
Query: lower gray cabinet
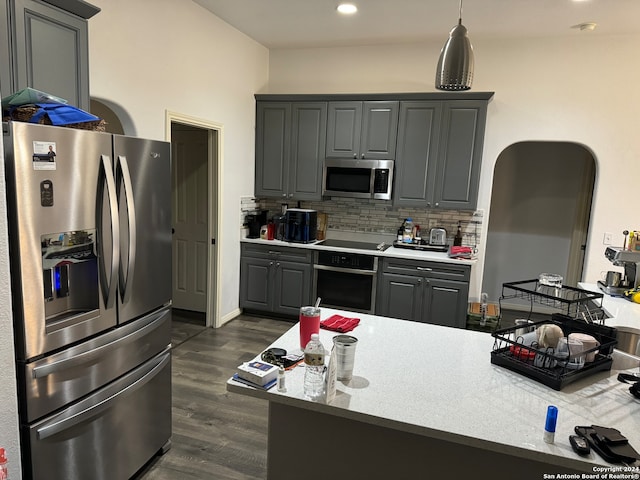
[274,279]
[428,292]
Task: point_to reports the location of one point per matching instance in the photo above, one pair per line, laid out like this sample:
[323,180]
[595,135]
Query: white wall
[9,437]
[150,56]
[579,89]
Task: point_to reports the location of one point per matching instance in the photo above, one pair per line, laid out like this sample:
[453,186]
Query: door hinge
[213,241]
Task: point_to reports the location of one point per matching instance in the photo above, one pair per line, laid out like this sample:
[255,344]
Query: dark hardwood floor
[216,434]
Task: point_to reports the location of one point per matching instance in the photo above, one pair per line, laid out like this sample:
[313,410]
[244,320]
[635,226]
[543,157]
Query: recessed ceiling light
[347,8]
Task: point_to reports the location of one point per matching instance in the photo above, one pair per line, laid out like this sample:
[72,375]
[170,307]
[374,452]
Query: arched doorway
[539,215]
[117,119]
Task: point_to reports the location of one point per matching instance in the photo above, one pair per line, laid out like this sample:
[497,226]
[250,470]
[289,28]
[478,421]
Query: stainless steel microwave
[357,178]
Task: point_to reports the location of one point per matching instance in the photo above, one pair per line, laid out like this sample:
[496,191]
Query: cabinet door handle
[437,204]
[273,252]
[424,269]
[277,264]
[271,264]
[284,195]
[355,155]
[362,156]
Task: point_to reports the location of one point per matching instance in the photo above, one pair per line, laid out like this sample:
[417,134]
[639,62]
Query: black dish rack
[574,302]
[540,364]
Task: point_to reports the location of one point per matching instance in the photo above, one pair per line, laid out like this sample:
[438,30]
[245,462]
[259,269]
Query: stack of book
[257,374]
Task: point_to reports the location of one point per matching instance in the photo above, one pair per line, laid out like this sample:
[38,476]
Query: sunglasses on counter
[279,357]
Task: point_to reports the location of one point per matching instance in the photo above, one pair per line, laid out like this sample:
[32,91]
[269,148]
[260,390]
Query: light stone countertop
[391,252]
[439,382]
[623,313]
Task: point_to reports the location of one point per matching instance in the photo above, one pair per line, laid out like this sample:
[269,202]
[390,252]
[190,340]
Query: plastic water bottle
[407,237]
[483,309]
[314,370]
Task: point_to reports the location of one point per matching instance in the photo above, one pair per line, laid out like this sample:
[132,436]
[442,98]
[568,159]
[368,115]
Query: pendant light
[455,65]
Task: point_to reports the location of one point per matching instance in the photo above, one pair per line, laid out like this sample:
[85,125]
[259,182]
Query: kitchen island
[426,402]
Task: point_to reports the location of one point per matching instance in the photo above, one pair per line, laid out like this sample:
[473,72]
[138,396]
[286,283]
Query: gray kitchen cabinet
[460,154]
[6,82]
[365,130]
[46,48]
[422,291]
[275,279]
[439,153]
[416,155]
[273,147]
[290,142]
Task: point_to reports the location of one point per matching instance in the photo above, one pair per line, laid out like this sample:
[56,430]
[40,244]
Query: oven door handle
[357,271]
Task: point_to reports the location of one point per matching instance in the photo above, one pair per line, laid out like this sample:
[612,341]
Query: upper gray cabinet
[362,129]
[6,83]
[460,154]
[290,143]
[418,136]
[439,153]
[436,140]
[273,147]
[46,44]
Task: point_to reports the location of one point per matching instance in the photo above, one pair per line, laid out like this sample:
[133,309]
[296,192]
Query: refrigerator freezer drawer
[62,378]
[108,435]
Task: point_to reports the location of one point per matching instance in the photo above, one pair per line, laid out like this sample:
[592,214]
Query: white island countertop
[439,382]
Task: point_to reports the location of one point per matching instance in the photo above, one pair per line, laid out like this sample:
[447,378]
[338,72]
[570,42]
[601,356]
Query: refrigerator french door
[89,217]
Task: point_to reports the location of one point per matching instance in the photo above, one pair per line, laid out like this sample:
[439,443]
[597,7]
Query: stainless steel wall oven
[345,280]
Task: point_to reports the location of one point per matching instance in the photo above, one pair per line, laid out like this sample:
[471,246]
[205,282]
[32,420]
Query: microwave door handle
[372,182]
[106,178]
[126,278]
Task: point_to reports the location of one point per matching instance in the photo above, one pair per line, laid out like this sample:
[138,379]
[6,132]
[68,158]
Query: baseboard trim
[228,317]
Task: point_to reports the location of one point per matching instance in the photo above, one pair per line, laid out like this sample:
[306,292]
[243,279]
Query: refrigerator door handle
[96,409]
[106,177]
[126,278]
[132,336]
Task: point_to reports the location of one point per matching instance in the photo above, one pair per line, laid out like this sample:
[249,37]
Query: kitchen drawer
[276,252]
[427,269]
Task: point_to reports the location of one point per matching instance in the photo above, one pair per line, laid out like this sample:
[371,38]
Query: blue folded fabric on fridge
[61,114]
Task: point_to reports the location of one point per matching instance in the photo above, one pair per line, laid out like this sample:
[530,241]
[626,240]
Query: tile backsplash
[380,217]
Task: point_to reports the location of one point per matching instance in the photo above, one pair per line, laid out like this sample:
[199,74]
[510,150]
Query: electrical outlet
[608,238]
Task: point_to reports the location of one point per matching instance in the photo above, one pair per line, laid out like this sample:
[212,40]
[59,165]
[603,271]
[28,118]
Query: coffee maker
[630,260]
[255,221]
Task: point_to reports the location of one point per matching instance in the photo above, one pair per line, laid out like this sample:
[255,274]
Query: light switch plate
[608,238]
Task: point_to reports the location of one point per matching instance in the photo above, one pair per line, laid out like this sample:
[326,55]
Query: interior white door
[190,215]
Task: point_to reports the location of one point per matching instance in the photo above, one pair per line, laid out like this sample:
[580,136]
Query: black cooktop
[355,245]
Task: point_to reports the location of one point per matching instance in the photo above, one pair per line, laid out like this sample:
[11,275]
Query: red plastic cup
[309,324]
[271,230]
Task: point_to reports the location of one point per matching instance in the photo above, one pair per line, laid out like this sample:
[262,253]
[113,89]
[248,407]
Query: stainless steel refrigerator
[90,247]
